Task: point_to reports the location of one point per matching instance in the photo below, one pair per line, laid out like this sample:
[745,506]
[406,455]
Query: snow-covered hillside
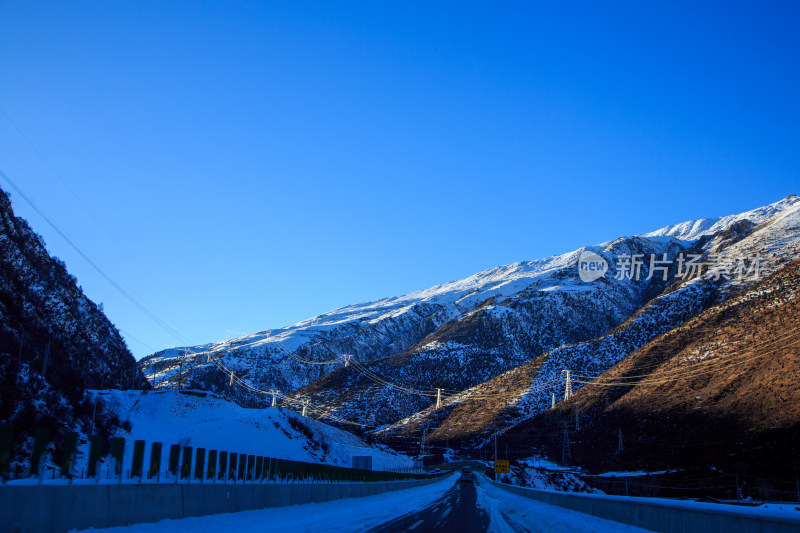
[528,389]
[198,419]
[54,342]
[457,335]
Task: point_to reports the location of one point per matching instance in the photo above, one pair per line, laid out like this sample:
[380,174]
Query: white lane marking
[416,524]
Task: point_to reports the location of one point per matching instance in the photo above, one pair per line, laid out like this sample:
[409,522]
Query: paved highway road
[456,510]
[478,507]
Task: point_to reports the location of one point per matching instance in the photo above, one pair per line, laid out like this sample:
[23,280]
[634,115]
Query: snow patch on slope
[204,420]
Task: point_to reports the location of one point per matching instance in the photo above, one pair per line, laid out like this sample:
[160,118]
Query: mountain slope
[460,334]
[54,341]
[528,389]
[719,390]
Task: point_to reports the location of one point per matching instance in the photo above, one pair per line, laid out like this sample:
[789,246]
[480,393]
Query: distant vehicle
[466,474]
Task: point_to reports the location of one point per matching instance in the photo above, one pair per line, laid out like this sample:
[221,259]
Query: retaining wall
[665,515]
[60,508]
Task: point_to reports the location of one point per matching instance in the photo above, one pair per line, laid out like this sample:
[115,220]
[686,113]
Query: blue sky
[249,165]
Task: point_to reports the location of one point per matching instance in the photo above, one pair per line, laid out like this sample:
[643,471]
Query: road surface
[479,506]
[446,505]
[456,510]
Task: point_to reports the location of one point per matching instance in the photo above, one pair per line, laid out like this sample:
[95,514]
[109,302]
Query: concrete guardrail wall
[664,515]
[60,508]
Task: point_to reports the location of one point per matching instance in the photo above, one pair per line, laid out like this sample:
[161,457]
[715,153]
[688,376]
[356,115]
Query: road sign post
[502,466]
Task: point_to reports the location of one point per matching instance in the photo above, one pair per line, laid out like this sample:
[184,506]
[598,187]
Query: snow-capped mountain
[381,361]
[529,388]
[54,341]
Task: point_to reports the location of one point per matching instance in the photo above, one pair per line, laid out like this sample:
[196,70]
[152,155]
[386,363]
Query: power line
[688,373]
[97,219]
[139,305]
[634,378]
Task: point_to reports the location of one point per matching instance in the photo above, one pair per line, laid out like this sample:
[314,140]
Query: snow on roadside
[509,512]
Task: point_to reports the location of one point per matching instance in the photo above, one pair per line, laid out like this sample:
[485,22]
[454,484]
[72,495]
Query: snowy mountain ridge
[694,229]
[453,336]
[503,280]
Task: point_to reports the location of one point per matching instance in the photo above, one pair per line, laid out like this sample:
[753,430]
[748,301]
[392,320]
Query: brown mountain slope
[467,415]
[723,389]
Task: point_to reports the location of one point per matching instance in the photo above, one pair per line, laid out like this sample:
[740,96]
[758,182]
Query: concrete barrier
[60,508]
[664,515]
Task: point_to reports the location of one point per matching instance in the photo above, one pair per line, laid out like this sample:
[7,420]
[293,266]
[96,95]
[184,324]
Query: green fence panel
[70,447]
[6,441]
[212,465]
[155,460]
[223,465]
[269,467]
[242,466]
[251,467]
[117,453]
[199,463]
[174,459]
[232,466]
[138,459]
[259,468]
[95,452]
[41,438]
[186,463]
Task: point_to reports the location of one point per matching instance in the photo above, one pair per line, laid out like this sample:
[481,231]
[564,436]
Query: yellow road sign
[501,466]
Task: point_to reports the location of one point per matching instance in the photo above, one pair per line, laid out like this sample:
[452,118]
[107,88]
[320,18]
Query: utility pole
[553,402]
[274,397]
[577,423]
[347,357]
[305,406]
[565,453]
[180,377]
[94,410]
[568,385]
[438,398]
[230,383]
[495,445]
[19,357]
[619,443]
[46,357]
[21,344]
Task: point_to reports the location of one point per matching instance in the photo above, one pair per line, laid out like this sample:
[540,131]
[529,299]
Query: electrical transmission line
[135,301]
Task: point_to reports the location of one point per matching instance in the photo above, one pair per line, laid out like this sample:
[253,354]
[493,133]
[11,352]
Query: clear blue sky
[260,163]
